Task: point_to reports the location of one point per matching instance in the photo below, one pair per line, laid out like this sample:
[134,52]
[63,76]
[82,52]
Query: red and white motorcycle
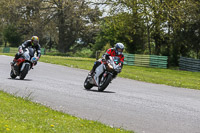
[104,74]
[23,64]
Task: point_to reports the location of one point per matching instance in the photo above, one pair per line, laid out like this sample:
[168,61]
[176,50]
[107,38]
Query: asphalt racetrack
[133,105]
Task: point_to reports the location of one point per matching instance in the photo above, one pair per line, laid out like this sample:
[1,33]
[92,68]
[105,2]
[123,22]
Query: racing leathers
[25,45]
[109,52]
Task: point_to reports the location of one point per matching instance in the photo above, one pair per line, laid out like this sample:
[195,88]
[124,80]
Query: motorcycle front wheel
[103,84]
[24,72]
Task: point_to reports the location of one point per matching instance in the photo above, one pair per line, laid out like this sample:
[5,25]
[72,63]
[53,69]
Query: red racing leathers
[109,52]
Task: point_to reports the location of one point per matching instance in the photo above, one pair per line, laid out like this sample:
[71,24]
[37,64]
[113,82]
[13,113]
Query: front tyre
[87,84]
[24,72]
[105,83]
[12,75]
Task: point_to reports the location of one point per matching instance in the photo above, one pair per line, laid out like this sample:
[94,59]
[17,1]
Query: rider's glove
[20,50]
[103,60]
[38,58]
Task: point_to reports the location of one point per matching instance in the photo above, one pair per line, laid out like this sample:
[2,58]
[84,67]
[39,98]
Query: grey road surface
[133,105]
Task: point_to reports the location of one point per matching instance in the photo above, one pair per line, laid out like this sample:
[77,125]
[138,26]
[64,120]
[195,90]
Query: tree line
[159,27]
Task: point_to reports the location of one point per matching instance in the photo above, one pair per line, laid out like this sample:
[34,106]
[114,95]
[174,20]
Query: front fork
[104,75]
[23,65]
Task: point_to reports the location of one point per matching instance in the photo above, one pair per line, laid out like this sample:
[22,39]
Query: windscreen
[116,60]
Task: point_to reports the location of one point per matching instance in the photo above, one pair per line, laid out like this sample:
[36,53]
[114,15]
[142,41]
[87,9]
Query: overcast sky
[104,8]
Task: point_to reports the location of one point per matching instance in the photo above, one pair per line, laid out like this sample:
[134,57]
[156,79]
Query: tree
[11,35]
[73,19]
[167,25]
[66,22]
[124,25]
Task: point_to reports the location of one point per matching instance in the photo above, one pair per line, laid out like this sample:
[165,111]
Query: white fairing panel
[99,70]
[23,65]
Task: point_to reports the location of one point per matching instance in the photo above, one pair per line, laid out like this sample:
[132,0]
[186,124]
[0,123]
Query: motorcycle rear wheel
[106,83]
[12,75]
[87,85]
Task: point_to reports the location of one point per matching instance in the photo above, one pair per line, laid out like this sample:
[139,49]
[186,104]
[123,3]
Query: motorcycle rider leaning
[116,51]
[33,43]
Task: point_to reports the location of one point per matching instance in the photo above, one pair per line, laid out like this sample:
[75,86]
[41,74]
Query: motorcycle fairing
[31,52]
[99,70]
[23,65]
[20,60]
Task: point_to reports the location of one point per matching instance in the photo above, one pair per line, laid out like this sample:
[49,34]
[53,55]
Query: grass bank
[19,115]
[169,77]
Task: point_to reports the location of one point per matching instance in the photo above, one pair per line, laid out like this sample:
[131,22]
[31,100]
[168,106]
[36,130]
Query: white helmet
[119,47]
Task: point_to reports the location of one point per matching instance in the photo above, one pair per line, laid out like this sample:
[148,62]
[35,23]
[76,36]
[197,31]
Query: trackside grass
[18,115]
[169,77]
[176,78]
[75,62]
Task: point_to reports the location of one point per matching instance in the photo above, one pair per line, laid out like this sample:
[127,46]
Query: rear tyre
[12,75]
[105,83]
[87,84]
[24,72]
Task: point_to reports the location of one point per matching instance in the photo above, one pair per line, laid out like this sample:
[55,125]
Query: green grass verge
[176,78]
[75,62]
[18,115]
[169,77]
